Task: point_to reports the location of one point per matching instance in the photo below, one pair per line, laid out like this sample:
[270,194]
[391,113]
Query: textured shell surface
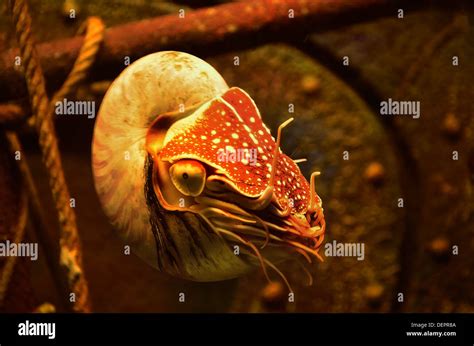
[155,84]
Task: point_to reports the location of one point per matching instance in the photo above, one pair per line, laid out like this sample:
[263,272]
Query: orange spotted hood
[227,133]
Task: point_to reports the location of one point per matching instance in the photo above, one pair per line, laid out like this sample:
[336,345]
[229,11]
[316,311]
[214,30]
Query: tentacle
[304,254]
[313,232]
[277,151]
[300,160]
[216,212]
[321,238]
[280,212]
[206,200]
[267,231]
[220,204]
[243,229]
[278,271]
[275,268]
[213,228]
[259,203]
[313,190]
[305,248]
[274,226]
[319,216]
[249,244]
[308,274]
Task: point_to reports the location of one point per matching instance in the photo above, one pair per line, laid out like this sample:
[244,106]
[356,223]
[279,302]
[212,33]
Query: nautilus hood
[228,134]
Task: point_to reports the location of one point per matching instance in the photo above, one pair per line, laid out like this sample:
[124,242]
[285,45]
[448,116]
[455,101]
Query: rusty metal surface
[204,31]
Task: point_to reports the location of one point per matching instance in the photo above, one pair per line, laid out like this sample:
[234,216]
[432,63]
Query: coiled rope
[42,111]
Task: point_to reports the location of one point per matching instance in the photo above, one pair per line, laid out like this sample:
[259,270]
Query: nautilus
[192,179]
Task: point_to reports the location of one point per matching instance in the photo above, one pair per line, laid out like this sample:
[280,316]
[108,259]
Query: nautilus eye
[188,177]
[187,172]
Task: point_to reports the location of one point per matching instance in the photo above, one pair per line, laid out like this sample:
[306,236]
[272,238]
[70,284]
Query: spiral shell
[138,138]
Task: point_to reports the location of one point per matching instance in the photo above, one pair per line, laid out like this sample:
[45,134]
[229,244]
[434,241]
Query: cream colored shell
[155,84]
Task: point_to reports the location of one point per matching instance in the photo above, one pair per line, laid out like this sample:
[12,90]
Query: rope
[38,218]
[19,233]
[94,28]
[70,248]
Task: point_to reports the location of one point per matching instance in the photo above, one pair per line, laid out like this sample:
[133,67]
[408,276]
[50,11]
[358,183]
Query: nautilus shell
[192,179]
